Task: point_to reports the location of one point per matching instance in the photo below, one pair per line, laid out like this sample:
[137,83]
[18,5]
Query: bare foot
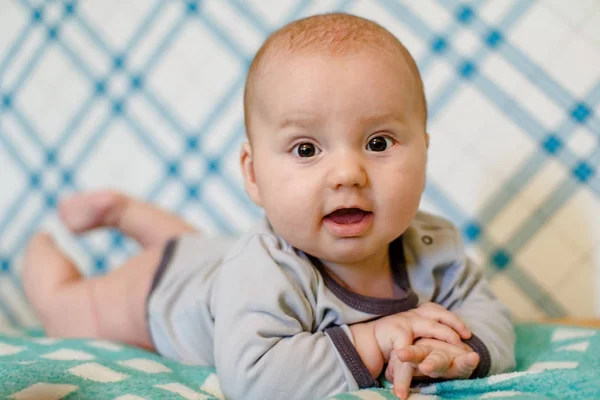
[83,212]
[55,288]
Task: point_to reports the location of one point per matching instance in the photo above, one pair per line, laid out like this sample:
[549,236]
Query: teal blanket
[554,362]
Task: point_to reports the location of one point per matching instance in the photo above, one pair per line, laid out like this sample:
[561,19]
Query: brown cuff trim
[350,356]
[485,360]
[168,252]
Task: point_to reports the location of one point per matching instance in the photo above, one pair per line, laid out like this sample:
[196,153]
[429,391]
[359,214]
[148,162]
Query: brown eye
[306,150]
[379,143]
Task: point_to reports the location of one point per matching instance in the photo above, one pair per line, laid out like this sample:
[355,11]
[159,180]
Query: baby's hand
[432,358]
[377,340]
[429,320]
[438,313]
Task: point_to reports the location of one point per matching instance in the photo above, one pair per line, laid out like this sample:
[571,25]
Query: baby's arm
[265,339]
[265,344]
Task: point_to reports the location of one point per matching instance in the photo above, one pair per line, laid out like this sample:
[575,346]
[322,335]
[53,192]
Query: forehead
[367,80]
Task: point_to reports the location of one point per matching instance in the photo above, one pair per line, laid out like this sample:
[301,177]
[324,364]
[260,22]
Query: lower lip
[349,230]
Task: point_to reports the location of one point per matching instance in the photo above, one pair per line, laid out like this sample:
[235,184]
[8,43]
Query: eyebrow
[298,121]
[309,121]
[378,118]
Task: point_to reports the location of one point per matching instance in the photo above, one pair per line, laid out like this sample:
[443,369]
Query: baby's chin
[348,251]
[323,245]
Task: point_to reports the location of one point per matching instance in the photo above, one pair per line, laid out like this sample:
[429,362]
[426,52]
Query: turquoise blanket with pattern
[553,362]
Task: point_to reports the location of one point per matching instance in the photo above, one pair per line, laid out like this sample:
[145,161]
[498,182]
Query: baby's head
[336,120]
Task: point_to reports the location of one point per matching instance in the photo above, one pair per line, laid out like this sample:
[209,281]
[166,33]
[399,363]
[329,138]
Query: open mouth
[348,222]
[346,216]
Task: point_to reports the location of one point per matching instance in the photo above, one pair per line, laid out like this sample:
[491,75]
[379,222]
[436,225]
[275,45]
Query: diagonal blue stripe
[448,208]
[220,107]
[8,313]
[537,76]
[251,16]
[25,73]
[532,128]
[27,128]
[544,300]
[14,208]
[516,183]
[443,97]
[162,109]
[404,14]
[146,140]
[91,143]
[225,39]
[13,153]
[519,60]
[145,26]
[298,10]
[75,122]
[539,217]
[345,4]
[14,49]
[155,56]
[164,44]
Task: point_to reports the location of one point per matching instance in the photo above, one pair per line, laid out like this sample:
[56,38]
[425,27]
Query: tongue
[347,216]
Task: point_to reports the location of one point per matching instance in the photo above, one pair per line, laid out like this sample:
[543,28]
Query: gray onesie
[275,324]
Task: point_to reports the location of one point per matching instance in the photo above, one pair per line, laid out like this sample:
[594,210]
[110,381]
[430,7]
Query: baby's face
[338,152]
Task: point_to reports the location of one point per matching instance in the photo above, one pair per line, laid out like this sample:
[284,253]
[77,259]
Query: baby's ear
[247,165]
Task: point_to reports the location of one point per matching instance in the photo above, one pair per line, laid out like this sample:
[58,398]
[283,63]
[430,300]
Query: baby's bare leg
[108,307]
[112,306]
[149,225]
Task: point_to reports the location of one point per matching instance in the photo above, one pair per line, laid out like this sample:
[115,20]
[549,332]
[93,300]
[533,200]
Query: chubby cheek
[401,208]
[291,217]
[288,197]
[403,189]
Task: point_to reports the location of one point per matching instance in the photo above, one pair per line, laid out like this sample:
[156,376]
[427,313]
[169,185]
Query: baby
[343,278]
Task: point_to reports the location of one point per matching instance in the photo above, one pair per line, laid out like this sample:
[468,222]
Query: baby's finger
[415,354]
[428,328]
[434,343]
[439,313]
[464,365]
[403,374]
[436,364]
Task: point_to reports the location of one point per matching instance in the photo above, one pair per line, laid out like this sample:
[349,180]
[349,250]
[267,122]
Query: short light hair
[333,34]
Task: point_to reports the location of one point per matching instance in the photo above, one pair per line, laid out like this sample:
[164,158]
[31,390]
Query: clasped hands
[424,342]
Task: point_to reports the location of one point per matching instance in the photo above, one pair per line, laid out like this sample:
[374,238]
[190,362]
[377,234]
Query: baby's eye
[305,150]
[379,143]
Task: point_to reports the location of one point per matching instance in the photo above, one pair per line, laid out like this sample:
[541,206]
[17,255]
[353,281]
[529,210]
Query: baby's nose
[347,170]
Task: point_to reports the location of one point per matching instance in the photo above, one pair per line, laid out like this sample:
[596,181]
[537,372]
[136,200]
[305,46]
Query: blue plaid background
[146,96]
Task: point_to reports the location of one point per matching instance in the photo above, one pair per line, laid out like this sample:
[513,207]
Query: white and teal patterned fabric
[552,363]
[145,96]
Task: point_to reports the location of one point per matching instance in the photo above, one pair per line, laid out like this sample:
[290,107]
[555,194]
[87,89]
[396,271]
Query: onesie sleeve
[465,291]
[265,346]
